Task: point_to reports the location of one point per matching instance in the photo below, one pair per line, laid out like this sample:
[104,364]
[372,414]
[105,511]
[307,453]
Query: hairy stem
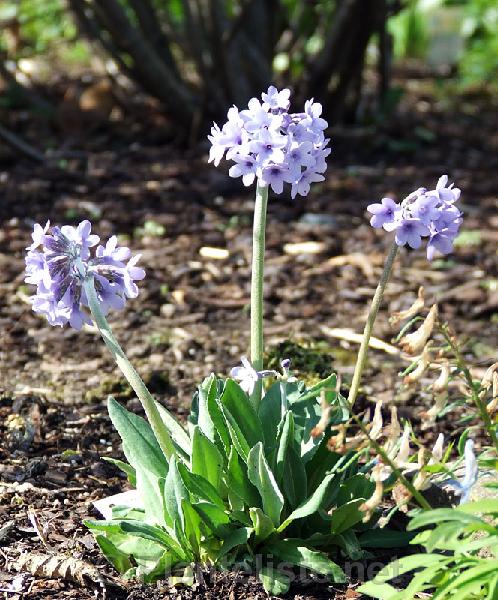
[258,263]
[148,402]
[367,332]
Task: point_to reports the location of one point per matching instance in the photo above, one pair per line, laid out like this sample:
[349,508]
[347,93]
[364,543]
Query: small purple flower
[384,212]
[425,208]
[411,231]
[257,117]
[268,147]
[313,110]
[299,155]
[302,185]
[65,260]
[247,376]
[276,101]
[447,193]
[441,242]
[245,166]
[275,176]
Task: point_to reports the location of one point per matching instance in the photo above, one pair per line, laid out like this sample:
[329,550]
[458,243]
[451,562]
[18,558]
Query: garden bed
[54,426]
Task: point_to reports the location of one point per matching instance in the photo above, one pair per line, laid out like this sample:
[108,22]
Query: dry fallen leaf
[61,566]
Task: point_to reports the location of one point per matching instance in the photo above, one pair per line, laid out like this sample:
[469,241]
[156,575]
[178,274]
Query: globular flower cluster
[269,144]
[424,213]
[59,260]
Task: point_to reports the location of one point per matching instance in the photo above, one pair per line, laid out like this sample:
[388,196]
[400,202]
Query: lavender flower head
[271,145]
[60,259]
[422,213]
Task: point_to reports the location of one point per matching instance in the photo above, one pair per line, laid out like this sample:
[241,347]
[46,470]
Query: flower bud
[401,497]
[377,422]
[487,380]
[401,459]
[414,309]
[441,382]
[493,403]
[414,342]
[437,450]
[422,365]
[393,431]
[374,501]
[429,416]
[323,423]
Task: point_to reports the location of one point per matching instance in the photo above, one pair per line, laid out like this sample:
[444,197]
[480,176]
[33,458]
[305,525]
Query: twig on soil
[14,141]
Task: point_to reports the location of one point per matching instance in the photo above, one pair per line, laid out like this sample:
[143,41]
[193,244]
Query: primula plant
[261,478]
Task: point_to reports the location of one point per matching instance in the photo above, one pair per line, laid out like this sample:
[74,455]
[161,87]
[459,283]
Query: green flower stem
[148,402]
[474,390]
[367,332]
[258,262]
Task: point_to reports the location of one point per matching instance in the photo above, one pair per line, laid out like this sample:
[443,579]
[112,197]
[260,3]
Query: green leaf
[214,517]
[192,526]
[206,458]
[294,482]
[206,390]
[199,487]
[385,538]
[296,553]
[238,481]
[409,563]
[139,444]
[484,568]
[462,439]
[347,515]
[349,543]
[151,491]
[357,486]
[487,506]
[438,515]
[154,534]
[174,493]
[260,475]
[270,414]
[311,505]
[119,560]
[114,529]
[236,435]
[211,420]
[382,591]
[263,526]
[178,434]
[238,537]
[125,467]
[314,391]
[285,439]
[275,582]
[235,400]
[321,463]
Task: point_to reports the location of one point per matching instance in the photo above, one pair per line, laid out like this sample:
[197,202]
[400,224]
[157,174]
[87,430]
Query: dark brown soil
[191,317]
